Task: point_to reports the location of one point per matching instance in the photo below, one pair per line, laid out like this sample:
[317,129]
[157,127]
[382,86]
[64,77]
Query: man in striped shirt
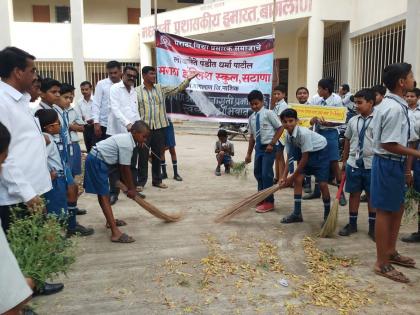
[152,109]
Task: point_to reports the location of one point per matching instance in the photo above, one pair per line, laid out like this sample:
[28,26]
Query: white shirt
[54,157]
[332,100]
[305,139]
[100,106]
[25,173]
[415,115]
[124,109]
[269,123]
[117,149]
[347,101]
[74,118]
[84,108]
[280,106]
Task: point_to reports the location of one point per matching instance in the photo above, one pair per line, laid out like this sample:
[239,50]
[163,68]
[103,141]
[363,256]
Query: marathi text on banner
[329,113]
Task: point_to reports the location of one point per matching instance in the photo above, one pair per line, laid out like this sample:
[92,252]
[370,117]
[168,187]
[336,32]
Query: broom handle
[340,189]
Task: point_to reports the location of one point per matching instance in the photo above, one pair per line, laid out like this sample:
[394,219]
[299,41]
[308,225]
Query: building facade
[350,40]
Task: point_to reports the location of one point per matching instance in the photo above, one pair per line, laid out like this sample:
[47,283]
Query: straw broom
[328,229]
[245,204]
[151,208]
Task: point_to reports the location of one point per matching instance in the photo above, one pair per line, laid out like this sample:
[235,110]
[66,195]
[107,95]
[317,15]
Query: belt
[392,157]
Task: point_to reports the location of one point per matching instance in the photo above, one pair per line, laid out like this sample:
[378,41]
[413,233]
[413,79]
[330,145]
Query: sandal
[291,219]
[118,222]
[404,261]
[160,185]
[388,271]
[124,238]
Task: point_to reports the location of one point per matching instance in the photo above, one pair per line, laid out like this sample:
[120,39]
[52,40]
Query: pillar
[315,53]
[145,8]
[77,21]
[345,55]
[412,37]
[6,19]
[145,49]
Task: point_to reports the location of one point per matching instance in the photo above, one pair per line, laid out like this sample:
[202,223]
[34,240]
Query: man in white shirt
[100,106]
[84,108]
[123,113]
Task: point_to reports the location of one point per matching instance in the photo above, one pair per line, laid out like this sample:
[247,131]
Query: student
[392,125]
[357,160]
[279,94]
[327,97]
[170,145]
[380,92]
[347,99]
[412,97]
[116,151]
[84,109]
[265,130]
[311,152]
[302,95]
[224,150]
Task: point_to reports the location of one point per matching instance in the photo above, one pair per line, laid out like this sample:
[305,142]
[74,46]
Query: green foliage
[412,199]
[239,169]
[40,247]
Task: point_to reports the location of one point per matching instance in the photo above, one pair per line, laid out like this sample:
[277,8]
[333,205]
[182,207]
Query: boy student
[265,131]
[302,95]
[116,151]
[412,97]
[224,150]
[170,145]
[357,160]
[327,97]
[380,92]
[279,93]
[84,109]
[393,131]
[310,149]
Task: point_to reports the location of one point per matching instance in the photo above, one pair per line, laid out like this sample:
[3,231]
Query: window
[281,72]
[191,1]
[62,14]
[41,13]
[332,54]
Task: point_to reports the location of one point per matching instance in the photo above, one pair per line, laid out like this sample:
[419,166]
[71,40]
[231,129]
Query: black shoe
[363,198]
[412,238]
[80,230]
[81,211]
[178,178]
[342,200]
[371,234]
[164,175]
[217,171]
[347,230]
[113,199]
[313,195]
[291,219]
[49,288]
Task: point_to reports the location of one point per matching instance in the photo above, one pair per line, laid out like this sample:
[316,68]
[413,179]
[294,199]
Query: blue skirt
[96,176]
[56,198]
[75,158]
[332,143]
[170,136]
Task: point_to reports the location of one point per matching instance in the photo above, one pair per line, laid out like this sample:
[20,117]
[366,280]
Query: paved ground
[196,266]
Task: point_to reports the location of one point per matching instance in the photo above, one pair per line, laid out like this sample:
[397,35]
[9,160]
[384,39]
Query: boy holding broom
[265,131]
[310,150]
[393,131]
[115,151]
[357,159]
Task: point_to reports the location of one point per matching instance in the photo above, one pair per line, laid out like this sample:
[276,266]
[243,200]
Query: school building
[350,40]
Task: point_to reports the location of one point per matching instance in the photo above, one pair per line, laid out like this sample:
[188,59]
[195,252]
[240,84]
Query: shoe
[313,195]
[164,175]
[49,288]
[217,171]
[343,200]
[291,219]
[412,238]
[80,230]
[371,234]
[27,310]
[159,185]
[363,198]
[113,199]
[178,178]
[347,230]
[81,211]
[265,207]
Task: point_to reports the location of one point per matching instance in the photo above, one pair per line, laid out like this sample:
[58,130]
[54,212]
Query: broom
[151,208]
[246,203]
[328,229]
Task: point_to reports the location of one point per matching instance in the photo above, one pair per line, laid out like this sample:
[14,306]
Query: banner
[227,72]
[329,113]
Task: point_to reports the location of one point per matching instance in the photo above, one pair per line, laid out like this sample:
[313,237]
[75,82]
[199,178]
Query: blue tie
[362,133]
[257,132]
[323,102]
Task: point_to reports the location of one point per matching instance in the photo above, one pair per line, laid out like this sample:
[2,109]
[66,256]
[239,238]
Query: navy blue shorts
[227,159]
[75,158]
[318,164]
[416,175]
[170,136]
[56,198]
[357,179]
[332,143]
[279,147]
[387,185]
[96,176]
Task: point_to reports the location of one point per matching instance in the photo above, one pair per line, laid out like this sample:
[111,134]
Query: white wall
[22,9]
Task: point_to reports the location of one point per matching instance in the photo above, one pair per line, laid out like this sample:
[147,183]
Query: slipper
[118,222]
[160,185]
[388,271]
[124,238]
[404,261]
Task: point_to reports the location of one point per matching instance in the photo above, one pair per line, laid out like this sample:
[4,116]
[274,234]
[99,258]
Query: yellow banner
[329,113]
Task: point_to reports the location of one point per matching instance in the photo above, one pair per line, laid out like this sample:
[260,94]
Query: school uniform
[74,151]
[351,107]
[111,152]
[263,126]
[359,132]
[392,124]
[415,115]
[330,133]
[228,145]
[84,109]
[304,140]
[278,109]
[170,135]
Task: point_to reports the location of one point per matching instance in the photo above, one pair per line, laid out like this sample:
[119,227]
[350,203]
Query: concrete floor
[196,266]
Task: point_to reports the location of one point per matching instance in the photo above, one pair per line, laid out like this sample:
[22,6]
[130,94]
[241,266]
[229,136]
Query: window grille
[59,70]
[332,53]
[96,71]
